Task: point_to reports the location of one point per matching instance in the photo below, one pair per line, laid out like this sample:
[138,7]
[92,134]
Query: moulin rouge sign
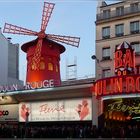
[28,86]
[125,81]
[118,85]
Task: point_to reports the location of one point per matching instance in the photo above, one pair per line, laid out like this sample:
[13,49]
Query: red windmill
[43,54]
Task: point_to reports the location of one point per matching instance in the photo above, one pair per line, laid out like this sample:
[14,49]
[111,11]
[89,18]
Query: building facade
[115,24]
[109,100]
[71,102]
[9,61]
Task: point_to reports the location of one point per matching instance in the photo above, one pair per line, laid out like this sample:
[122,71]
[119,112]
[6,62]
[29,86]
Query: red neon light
[118,59]
[117,85]
[124,59]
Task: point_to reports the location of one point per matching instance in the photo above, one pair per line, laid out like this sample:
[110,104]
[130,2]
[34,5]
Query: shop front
[50,111]
[9,119]
[119,96]
[55,105]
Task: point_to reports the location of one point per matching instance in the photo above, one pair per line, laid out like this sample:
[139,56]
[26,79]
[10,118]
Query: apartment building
[9,61]
[116,23]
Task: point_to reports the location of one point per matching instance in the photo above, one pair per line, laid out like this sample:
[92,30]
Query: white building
[9,61]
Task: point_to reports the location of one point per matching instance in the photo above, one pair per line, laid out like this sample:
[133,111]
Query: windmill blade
[9,28]
[47,11]
[74,41]
[35,63]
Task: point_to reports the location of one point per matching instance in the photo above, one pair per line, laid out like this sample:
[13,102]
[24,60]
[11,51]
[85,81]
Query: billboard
[62,110]
[122,109]
[9,112]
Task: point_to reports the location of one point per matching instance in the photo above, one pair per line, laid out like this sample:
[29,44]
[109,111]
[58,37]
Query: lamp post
[26,122]
[94,101]
[99,68]
[95,58]
[97,108]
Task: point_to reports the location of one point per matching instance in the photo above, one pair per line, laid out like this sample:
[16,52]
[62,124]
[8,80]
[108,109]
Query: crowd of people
[68,131]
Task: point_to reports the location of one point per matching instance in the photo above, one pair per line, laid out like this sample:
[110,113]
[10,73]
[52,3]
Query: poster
[9,112]
[62,110]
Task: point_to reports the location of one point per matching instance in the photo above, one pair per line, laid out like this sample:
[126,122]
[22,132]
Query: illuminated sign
[120,106]
[32,85]
[40,84]
[124,82]
[124,59]
[9,112]
[117,85]
[60,110]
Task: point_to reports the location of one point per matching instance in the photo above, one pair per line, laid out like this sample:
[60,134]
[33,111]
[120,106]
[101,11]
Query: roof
[25,46]
[68,89]
[54,93]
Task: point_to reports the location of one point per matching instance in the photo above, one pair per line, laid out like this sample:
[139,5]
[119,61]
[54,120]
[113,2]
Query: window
[50,66]
[42,65]
[119,30]
[56,68]
[134,27]
[106,53]
[106,73]
[106,13]
[136,46]
[105,32]
[134,7]
[119,11]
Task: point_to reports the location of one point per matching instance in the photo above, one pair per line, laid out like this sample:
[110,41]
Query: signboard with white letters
[28,86]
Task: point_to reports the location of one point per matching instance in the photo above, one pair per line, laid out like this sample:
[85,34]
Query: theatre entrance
[120,112]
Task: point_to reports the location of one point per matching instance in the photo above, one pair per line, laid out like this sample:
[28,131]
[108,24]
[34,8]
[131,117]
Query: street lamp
[95,58]
[99,68]
[94,99]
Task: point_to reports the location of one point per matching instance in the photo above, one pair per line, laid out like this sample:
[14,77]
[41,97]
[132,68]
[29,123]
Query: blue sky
[71,17]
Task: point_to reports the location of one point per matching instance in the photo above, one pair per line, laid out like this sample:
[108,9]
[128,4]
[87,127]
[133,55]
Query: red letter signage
[124,59]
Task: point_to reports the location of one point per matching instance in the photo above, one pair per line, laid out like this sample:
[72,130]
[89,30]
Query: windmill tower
[43,53]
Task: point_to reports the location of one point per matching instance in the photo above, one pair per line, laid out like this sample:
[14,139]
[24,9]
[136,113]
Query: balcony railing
[114,13]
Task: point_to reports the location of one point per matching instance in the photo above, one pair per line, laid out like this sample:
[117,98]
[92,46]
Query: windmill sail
[47,11]
[13,29]
[73,41]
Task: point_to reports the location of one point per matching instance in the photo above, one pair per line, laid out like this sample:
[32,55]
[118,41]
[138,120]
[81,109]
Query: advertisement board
[62,110]
[9,112]
[122,109]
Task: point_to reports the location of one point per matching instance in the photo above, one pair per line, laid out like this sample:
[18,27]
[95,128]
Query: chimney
[100,4]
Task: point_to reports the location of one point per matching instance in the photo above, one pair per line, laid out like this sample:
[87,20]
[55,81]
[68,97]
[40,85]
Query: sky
[69,17]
